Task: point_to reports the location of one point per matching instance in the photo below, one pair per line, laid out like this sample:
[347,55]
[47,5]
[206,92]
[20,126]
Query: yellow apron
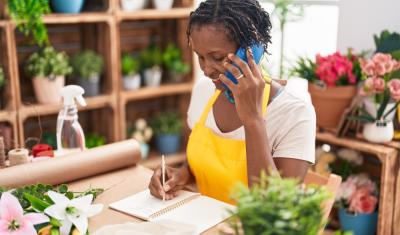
[218,163]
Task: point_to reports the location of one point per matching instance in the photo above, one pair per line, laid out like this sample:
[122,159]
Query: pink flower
[381,58]
[362,201]
[368,67]
[373,85]
[12,219]
[394,87]
[333,68]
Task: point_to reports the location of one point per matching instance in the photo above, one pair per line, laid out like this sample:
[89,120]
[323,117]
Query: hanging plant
[27,14]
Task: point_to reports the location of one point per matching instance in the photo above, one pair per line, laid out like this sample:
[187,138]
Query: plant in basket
[332,84]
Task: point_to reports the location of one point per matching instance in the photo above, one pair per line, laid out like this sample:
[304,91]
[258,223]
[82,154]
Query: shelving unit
[101,30]
[388,158]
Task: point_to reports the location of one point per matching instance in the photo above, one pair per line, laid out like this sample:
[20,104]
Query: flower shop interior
[95,96]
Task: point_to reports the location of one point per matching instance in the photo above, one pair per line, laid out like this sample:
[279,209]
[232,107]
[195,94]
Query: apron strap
[212,100]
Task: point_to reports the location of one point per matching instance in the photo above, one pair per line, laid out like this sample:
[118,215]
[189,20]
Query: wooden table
[118,184]
[388,156]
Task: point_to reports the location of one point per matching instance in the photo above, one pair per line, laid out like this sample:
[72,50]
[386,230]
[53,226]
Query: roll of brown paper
[72,167]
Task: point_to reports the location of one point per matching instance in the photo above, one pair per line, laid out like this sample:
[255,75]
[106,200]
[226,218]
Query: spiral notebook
[189,208]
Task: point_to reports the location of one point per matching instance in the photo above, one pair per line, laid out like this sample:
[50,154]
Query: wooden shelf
[48,109]
[77,18]
[154,160]
[152,14]
[154,92]
[8,116]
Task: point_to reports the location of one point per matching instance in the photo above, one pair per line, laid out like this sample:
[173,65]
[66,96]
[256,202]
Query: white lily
[72,212]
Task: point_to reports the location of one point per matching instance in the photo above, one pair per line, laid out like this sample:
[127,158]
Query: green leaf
[384,103]
[63,188]
[55,231]
[36,203]
[55,222]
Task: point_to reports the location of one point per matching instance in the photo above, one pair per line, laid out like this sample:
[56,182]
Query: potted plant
[382,93]
[332,84]
[130,67]
[2,83]
[27,14]
[167,127]
[87,68]
[172,59]
[163,4]
[142,133]
[93,140]
[151,59]
[69,7]
[278,206]
[48,68]
[357,201]
[133,5]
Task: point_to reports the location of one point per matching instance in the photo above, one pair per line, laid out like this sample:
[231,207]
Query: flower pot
[175,77]
[372,108]
[168,144]
[330,103]
[90,85]
[144,150]
[131,82]
[70,6]
[152,76]
[133,5]
[379,131]
[359,224]
[48,91]
[163,4]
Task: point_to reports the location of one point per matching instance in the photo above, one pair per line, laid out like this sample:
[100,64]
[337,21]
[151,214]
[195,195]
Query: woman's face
[212,47]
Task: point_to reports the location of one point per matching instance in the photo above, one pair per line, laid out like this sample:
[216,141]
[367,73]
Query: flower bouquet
[357,199]
[142,133]
[332,84]
[44,209]
[382,93]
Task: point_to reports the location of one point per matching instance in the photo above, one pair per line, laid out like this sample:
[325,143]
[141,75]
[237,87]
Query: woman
[232,138]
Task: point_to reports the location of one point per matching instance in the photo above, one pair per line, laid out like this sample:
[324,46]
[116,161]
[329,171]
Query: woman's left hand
[249,91]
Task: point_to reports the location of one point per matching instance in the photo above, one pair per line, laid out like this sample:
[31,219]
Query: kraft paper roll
[74,166]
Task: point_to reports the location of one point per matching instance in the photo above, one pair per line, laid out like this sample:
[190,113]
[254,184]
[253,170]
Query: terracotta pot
[48,91]
[330,103]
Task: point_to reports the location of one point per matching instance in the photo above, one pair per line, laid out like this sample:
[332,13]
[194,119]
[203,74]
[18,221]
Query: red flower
[362,201]
[332,68]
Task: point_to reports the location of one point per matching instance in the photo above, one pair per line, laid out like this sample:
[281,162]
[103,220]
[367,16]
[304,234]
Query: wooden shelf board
[6,115]
[154,160]
[153,14]
[48,109]
[153,92]
[356,144]
[76,18]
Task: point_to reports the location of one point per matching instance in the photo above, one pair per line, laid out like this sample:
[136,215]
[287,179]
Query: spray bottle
[70,136]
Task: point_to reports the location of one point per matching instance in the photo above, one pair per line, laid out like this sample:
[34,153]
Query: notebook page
[143,205]
[202,212]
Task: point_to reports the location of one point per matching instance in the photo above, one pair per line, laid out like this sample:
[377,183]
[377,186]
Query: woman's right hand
[175,180]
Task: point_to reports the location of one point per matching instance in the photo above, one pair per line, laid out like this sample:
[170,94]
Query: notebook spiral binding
[170,208]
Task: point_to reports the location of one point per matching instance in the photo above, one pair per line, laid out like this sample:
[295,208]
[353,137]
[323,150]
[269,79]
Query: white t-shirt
[290,122]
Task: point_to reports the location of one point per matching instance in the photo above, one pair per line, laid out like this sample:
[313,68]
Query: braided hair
[246,21]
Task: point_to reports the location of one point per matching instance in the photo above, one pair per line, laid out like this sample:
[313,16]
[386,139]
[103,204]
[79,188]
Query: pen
[163,174]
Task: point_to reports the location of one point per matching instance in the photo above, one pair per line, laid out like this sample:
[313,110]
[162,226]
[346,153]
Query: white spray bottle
[70,136]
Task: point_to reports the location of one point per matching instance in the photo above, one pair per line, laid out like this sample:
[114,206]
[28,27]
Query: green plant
[388,42]
[93,140]
[286,11]
[305,69]
[167,123]
[150,57]
[279,206]
[48,63]
[172,59]
[130,65]
[2,78]
[27,14]
[87,64]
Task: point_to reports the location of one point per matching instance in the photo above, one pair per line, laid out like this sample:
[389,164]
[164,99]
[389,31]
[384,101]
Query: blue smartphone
[258,51]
